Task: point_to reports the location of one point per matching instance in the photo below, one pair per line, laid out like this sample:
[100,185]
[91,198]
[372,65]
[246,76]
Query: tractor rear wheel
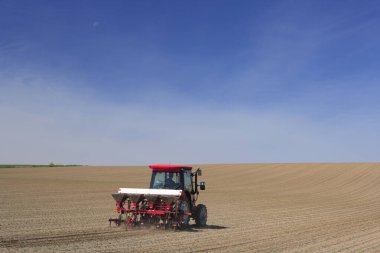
[201,216]
[184,219]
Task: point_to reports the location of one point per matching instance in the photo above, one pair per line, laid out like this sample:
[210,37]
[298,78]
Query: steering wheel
[158,184]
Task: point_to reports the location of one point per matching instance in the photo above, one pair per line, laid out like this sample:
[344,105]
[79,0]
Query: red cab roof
[169,167]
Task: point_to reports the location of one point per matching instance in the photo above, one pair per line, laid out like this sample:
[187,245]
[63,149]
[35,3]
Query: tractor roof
[169,167]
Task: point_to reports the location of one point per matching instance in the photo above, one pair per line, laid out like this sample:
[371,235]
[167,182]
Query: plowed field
[251,208]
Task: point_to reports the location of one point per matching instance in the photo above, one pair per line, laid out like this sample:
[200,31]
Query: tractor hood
[137,194]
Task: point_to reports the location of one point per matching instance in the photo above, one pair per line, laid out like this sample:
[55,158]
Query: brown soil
[251,208]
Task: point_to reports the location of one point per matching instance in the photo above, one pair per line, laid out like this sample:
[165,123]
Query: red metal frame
[151,212]
[153,209]
[161,215]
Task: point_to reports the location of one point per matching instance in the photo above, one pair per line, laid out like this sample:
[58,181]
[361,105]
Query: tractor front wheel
[201,216]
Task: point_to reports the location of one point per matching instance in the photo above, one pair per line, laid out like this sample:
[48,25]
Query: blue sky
[139,82]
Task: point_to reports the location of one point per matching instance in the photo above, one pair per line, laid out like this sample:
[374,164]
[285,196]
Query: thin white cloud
[42,123]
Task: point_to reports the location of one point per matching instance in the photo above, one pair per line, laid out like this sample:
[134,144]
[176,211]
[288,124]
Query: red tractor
[170,201]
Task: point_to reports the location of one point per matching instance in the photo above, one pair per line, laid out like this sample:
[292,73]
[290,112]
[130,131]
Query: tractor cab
[175,177]
[166,180]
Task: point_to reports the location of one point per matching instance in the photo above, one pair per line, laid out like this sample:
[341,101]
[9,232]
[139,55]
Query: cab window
[187,181]
[166,180]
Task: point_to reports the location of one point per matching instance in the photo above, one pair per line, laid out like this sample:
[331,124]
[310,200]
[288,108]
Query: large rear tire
[184,207]
[201,216]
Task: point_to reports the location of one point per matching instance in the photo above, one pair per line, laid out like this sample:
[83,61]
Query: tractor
[169,203]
